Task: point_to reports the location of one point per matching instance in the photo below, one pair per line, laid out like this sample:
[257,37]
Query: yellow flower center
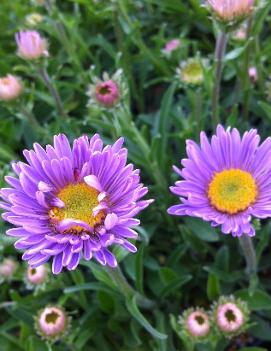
[232,191]
[79,201]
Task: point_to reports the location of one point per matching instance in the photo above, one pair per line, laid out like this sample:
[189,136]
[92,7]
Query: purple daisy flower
[226,181]
[69,203]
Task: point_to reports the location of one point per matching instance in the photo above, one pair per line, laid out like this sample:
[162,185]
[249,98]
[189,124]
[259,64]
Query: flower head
[52,323]
[191,71]
[226,181]
[31,45]
[34,19]
[171,46]
[69,203]
[231,10]
[10,87]
[108,92]
[230,316]
[36,276]
[7,268]
[195,323]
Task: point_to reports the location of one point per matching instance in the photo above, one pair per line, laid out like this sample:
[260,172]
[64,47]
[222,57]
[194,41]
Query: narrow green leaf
[133,309]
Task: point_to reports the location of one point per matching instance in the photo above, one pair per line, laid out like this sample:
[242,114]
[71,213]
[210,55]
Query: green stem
[249,253]
[47,81]
[221,43]
[246,87]
[126,288]
[31,118]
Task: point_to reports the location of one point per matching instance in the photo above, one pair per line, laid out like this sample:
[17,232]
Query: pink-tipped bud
[253,74]
[31,45]
[240,34]
[38,275]
[229,317]
[171,45]
[7,268]
[197,324]
[107,93]
[10,87]
[231,10]
[52,323]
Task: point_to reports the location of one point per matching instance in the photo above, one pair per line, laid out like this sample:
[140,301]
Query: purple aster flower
[226,181]
[69,203]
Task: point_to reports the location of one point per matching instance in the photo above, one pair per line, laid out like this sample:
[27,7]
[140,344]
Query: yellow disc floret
[232,191]
[79,201]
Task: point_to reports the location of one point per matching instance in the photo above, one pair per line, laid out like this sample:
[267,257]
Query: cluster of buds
[52,323]
[231,13]
[228,318]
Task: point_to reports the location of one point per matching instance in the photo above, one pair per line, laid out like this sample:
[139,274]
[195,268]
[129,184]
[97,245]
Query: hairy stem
[221,43]
[246,63]
[249,253]
[47,81]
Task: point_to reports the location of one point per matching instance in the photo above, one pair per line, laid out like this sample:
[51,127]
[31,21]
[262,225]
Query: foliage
[181,262]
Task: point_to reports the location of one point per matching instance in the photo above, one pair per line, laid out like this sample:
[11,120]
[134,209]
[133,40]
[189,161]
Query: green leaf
[258,301]
[213,287]
[232,55]
[266,108]
[133,309]
[139,269]
[163,122]
[201,229]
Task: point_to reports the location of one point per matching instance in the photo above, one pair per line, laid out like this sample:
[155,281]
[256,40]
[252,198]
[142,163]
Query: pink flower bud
[37,275]
[31,45]
[197,324]
[231,10]
[7,268]
[253,74]
[171,45]
[107,93]
[229,317]
[10,87]
[52,323]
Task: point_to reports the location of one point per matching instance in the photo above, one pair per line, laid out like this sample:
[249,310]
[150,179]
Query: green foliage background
[181,262]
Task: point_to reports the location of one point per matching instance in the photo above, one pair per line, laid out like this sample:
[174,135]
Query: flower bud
[230,316]
[171,46]
[31,45]
[37,276]
[33,19]
[191,72]
[52,323]
[10,87]
[107,93]
[7,268]
[253,74]
[195,323]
